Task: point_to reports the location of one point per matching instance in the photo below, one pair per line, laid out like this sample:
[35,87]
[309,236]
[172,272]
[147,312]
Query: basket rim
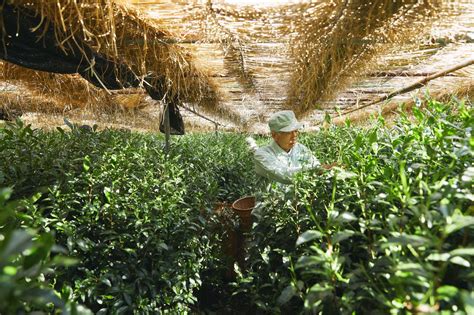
[243,209]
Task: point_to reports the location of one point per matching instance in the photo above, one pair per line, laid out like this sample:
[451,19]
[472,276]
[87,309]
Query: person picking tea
[285,156]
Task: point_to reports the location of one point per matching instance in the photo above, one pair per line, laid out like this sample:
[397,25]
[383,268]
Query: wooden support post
[166,118]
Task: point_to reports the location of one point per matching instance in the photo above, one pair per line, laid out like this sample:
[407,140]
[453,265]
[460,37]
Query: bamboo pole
[216,124]
[413,86]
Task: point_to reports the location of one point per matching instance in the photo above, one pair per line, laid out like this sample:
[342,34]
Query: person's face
[286,140]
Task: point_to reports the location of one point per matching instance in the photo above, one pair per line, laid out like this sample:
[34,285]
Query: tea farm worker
[284,156]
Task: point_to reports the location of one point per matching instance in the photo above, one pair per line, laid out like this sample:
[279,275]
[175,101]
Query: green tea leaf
[468,300]
[405,239]
[447,291]
[17,243]
[86,163]
[438,257]
[327,118]
[10,270]
[5,194]
[286,295]
[462,252]
[341,236]
[347,217]
[108,194]
[44,244]
[60,260]
[308,261]
[458,223]
[106,282]
[460,261]
[308,236]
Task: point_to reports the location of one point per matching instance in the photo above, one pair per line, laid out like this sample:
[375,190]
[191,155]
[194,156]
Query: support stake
[166,117]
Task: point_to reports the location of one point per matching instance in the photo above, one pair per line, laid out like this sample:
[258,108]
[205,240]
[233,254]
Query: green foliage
[25,264]
[131,215]
[219,166]
[390,231]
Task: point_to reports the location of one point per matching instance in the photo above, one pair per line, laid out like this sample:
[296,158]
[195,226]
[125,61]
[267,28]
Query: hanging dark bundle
[24,44]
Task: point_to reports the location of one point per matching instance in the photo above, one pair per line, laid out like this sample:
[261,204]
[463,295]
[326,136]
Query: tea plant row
[109,222]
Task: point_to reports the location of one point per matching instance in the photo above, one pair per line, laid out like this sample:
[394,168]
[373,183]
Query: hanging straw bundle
[334,40]
[123,36]
[65,92]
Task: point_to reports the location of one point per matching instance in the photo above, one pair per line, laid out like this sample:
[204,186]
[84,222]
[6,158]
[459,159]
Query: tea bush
[25,262]
[389,232]
[131,215]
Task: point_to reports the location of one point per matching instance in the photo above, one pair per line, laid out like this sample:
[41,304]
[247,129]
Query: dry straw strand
[340,38]
[122,35]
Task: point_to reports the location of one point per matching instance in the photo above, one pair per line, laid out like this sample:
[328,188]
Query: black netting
[176,121]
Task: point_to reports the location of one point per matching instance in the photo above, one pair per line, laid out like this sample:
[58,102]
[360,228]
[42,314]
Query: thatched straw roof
[122,35]
[133,50]
[239,63]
